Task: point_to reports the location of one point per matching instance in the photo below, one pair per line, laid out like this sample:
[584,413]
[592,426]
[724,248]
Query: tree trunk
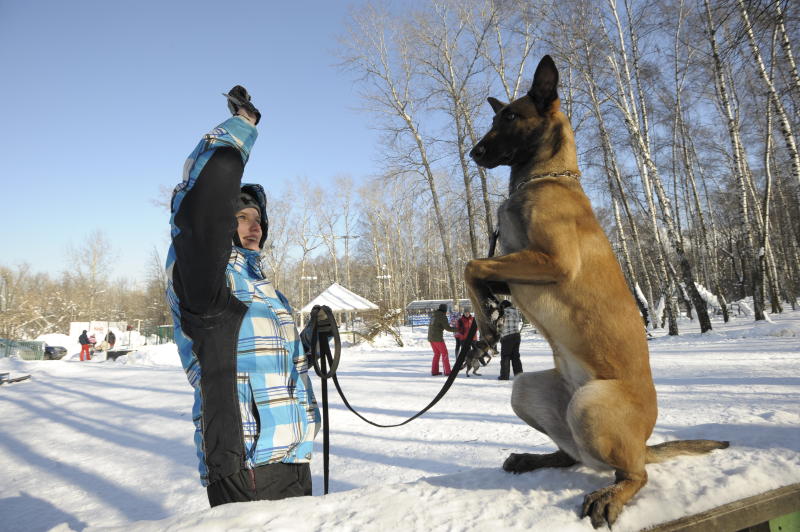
[783,118]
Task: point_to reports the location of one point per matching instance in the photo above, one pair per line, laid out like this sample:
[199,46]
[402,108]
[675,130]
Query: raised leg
[523,267]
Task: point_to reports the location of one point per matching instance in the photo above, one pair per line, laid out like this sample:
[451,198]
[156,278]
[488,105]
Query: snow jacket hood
[257,192]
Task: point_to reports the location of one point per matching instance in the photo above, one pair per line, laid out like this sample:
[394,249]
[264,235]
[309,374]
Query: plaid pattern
[511,322]
[271,368]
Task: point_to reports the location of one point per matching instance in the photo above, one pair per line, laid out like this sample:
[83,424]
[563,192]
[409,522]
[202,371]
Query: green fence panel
[24,349]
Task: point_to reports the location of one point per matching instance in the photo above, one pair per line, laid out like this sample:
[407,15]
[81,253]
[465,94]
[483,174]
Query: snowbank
[153,355]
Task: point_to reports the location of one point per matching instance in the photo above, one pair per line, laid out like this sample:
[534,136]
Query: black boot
[504,367]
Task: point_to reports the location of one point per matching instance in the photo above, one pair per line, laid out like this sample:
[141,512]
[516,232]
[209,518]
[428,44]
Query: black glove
[239,98]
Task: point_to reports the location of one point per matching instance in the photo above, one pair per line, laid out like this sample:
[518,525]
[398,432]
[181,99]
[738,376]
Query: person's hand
[239,104]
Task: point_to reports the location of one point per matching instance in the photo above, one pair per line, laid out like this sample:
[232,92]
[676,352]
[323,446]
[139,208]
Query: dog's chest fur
[511,226]
[516,217]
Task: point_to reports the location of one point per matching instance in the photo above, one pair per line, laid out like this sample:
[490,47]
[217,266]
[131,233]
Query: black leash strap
[493,243]
[321,355]
[457,365]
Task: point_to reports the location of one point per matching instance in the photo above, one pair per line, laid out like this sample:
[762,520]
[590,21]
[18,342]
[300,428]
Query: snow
[710,299]
[108,445]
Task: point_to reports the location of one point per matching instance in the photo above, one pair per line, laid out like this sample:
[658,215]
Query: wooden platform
[776,510]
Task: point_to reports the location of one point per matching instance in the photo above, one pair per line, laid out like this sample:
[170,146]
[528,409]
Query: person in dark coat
[509,341]
[83,339]
[111,338]
[436,329]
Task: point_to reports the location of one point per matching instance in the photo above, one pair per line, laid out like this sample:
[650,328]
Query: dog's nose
[477,152]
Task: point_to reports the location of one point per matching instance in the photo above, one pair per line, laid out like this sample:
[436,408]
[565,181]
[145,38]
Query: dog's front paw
[493,310]
[602,506]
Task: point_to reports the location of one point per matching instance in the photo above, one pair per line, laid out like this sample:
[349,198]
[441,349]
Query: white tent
[340,299]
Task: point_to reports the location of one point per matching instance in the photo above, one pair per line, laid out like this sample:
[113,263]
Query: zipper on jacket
[234,353]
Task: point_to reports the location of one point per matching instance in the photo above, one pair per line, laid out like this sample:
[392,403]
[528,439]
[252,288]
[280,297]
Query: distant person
[111,338]
[462,329]
[436,328]
[83,339]
[254,409]
[509,341]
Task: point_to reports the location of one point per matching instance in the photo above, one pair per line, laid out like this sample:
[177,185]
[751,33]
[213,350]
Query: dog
[476,358]
[598,404]
[479,355]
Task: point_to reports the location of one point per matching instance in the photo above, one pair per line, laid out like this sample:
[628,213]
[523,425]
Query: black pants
[509,352]
[458,345]
[269,482]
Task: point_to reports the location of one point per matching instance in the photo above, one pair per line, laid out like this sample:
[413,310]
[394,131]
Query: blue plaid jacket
[237,341]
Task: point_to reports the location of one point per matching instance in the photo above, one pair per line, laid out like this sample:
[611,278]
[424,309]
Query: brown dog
[598,404]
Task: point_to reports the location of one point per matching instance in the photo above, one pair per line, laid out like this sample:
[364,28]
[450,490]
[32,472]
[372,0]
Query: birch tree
[380,52]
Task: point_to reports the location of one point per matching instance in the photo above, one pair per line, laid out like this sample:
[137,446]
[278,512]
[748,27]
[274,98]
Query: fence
[26,350]
[160,334]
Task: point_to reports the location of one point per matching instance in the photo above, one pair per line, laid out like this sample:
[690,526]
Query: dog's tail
[665,451]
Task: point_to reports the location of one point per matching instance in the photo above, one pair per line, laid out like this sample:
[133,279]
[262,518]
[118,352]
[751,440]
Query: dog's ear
[544,90]
[496,104]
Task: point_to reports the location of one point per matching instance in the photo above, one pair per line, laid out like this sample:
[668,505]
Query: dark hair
[443,307]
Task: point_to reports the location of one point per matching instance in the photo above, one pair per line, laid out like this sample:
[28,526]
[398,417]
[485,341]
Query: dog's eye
[510,116]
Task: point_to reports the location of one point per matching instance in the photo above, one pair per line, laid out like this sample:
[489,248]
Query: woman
[436,328]
[255,414]
[462,329]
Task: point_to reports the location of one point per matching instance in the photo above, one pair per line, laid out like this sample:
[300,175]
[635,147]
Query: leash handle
[320,356]
[315,345]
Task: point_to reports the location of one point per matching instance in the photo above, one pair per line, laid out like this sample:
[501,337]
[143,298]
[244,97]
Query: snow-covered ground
[108,445]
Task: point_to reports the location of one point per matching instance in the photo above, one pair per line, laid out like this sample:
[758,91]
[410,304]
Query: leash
[493,243]
[321,356]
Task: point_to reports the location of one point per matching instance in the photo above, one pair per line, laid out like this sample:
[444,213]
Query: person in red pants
[436,329]
[85,344]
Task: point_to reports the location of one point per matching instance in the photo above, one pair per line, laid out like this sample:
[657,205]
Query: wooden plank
[739,514]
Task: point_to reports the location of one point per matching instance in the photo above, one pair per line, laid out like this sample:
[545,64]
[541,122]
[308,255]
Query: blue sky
[103,100]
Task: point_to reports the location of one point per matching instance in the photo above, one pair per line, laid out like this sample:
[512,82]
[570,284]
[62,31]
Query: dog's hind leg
[611,422]
[541,400]
[524,462]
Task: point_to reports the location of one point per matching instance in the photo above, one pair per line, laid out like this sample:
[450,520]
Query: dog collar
[565,173]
